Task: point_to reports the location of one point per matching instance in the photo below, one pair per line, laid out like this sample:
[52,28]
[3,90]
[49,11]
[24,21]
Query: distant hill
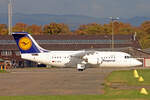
[72,20]
[136,21]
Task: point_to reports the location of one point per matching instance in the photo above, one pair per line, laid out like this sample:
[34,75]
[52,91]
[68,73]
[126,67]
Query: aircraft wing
[82,54]
[78,58]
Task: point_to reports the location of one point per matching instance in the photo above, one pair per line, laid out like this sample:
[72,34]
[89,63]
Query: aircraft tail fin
[26,43]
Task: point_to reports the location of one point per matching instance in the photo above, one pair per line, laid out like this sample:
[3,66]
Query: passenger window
[126,57]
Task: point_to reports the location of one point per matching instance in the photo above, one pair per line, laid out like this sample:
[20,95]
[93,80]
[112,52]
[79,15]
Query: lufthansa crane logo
[25,43]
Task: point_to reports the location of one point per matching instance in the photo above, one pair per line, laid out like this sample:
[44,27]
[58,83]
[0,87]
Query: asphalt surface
[55,81]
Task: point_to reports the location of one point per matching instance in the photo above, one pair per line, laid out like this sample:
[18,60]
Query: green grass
[126,78]
[117,77]
[78,97]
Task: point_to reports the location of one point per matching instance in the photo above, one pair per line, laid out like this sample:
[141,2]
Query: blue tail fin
[26,43]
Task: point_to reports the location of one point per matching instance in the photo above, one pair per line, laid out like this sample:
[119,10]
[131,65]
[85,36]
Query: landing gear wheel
[80,69]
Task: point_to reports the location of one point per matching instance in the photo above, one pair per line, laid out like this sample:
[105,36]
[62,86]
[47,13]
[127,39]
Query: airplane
[30,50]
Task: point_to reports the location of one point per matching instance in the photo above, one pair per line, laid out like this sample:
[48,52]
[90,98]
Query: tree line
[143,31]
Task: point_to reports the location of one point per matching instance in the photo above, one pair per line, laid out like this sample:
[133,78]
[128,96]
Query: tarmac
[53,81]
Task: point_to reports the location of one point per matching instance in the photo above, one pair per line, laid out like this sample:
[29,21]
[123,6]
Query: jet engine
[94,61]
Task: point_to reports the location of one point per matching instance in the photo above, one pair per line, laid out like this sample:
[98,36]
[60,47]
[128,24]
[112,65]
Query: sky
[94,8]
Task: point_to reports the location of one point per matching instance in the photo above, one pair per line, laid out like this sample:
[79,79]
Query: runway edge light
[144,91]
[141,79]
[135,73]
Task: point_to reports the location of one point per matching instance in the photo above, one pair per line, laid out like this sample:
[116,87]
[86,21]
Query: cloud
[3,6]
[96,8]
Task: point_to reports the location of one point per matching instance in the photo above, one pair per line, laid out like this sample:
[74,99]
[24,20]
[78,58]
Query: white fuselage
[99,58]
[114,59]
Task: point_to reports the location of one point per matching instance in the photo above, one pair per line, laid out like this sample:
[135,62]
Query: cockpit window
[126,57]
